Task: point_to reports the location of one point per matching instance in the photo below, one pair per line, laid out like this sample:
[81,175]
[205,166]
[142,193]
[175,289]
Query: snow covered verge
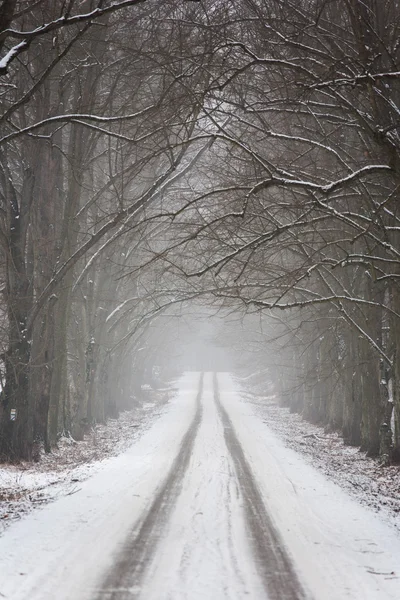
[60,552]
[340,550]
[27,486]
[364,478]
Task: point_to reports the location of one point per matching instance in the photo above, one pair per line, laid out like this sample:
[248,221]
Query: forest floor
[362,477]
[26,486]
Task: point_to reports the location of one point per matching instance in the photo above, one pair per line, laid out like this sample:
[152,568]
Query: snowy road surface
[208,504]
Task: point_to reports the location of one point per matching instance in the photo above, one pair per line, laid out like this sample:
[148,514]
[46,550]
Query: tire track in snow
[123,581]
[205,553]
[274,564]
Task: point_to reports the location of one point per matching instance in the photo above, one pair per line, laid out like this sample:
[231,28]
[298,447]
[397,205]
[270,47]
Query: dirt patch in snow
[26,486]
[364,478]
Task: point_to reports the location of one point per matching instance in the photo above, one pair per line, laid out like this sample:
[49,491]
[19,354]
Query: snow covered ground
[205,551]
[362,477]
[27,486]
[341,549]
[59,552]
[203,547]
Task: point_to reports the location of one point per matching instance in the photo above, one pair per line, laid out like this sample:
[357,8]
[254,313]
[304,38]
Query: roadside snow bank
[62,550]
[27,486]
[340,549]
[361,476]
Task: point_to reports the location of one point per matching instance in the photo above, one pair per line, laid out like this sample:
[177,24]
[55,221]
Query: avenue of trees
[244,154]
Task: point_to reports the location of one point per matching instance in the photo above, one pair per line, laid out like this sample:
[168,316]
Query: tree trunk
[16,413]
[352,393]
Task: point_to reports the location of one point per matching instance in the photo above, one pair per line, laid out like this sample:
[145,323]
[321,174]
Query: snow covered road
[208,504]
[198,538]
